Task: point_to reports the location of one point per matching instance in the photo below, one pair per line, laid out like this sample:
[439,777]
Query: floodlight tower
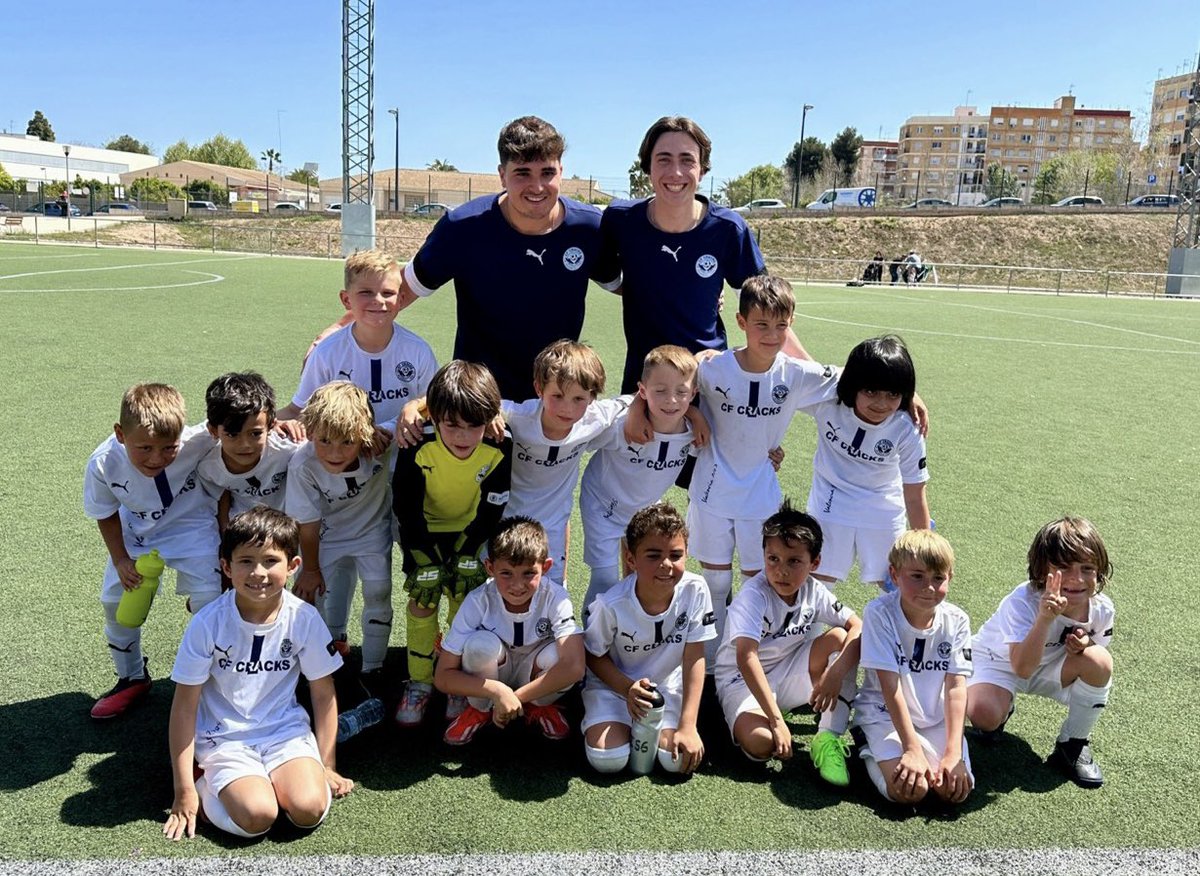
[358,125]
[1184,261]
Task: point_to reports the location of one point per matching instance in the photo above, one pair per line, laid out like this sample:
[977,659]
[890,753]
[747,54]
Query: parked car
[4,208]
[1003,202]
[53,208]
[287,207]
[1155,201]
[202,205]
[1080,201]
[923,203]
[334,208]
[830,199]
[117,210]
[429,210]
[761,204]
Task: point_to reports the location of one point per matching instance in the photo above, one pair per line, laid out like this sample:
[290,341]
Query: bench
[13,223]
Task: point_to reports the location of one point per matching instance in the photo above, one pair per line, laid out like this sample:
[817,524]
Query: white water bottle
[354,721]
[644,744]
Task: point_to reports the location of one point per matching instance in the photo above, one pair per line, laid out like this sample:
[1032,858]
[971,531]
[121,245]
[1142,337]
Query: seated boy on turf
[648,630]
[235,710]
[748,396]
[338,491]
[251,460]
[916,648]
[514,647]
[772,659]
[448,494]
[389,362]
[622,477]
[140,488]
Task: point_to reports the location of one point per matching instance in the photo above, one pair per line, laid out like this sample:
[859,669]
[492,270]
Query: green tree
[1000,183]
[442,165]
[7,183]
[814,155]
[301,175]
[149,188]
[39,126]
[845,150]
[177,151]
[219,149]
[639,182]
[207,190]
[271,157]
[126,143]
[764,181]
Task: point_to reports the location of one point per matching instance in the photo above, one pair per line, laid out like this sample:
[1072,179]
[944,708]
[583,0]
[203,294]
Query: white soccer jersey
[167,512]
[749,415]
[354,507]
[1014,619]
[249,671]
[550,617]
[758,613]
[649,646]
[923,659]
[859,470]
[622,478]
[262,485]
[544,470]
[390,378]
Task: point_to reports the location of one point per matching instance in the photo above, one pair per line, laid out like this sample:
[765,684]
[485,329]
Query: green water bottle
[135,604]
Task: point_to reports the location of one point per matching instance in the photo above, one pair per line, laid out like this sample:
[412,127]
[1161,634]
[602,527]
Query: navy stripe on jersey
[518,634]
[787,620]
[752,401]
[163,485]
[859,435]
[376,376]
[663,446]
[256,649]
[552,456]
[658,636]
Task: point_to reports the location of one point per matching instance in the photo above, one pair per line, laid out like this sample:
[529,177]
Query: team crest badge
[481,474]
[943,649]
[285,648]
[780,394]
[706,265]
[406,371]
[573,258]
[883,447]
[543,627]
[681,621]
[279,477]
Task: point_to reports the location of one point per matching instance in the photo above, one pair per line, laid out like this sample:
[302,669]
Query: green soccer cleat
[829,753]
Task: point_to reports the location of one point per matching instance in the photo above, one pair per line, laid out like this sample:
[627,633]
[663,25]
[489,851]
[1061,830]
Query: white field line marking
[77,255]
[1031,341]
[127,267]
[214,278]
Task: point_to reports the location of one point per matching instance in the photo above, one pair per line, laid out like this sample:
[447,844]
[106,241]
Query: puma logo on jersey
[673,253]
[224,651]
[524,447]
[724,392]
[536,255]
[116,486]
[628,636]
[636,450]
[345,375]
[428,468]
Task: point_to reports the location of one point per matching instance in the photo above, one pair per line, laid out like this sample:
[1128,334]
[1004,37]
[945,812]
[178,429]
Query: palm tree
[271,156]
[441,164]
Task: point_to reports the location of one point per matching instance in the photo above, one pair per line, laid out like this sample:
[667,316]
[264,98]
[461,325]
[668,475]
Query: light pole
[67,191]
[395,114]
[800,157]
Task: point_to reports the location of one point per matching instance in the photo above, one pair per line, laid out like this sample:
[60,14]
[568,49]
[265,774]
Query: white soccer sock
[376,622]
[607,760]
[124,644]
[1083,709]
[720,585]
[215,812]
[602,579]
[836,719]
[482,654]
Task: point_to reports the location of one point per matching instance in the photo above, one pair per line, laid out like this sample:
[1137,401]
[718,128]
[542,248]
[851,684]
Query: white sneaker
[455,706]
[413,704]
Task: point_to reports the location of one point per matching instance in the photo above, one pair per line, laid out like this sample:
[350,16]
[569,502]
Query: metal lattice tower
[358,97]
[1187,219]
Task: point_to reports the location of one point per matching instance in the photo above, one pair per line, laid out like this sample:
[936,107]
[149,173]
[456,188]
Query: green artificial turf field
[1040,406]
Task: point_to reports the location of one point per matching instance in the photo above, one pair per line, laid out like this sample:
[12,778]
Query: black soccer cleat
[1074,758]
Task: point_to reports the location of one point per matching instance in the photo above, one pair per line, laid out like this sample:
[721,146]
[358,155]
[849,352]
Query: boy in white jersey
[235,710]
[775,657]
[748,396]
[916,650]
[514,647]
[622,477]
[1050,637]
[391,363]
[649,630]
[249,465]
[140,487]
[339,492]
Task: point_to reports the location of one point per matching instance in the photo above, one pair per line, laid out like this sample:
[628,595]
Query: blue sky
[269,72]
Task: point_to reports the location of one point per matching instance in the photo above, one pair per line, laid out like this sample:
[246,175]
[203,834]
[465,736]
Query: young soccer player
[748,396]
[235,710]
[622,477]
[391,363]
[550,434]
[251,459]
[869,472]
[140,488]
[514,647]
[1050,637]
[916,648]
[338,491]
[648,630]
[774,656]
[448,494]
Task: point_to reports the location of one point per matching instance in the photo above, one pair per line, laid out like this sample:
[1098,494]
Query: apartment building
[943,157]
[878,161]
[1168,112]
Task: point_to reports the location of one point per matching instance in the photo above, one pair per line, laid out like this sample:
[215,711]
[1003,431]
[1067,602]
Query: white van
[857,198]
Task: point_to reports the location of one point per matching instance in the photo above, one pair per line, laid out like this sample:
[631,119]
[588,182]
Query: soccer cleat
[549,719]
[1074,758]
[455,706]
[990,737]
[829,752]
[413,704]
[464,727]
[126,692]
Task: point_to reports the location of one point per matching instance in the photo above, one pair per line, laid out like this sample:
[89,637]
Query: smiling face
[336,455]
[562,407]
[659,561]
[675,168]
[242,450]
[373,298]
[922,589]
[787,567]
[516,582]
[876,405]
[149,453]
[765,332]
[1078,583]
[668,396]
[259,574]
[530,202]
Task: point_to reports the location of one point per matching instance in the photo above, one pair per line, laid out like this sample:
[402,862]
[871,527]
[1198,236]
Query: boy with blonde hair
[338,491]
[140,487]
